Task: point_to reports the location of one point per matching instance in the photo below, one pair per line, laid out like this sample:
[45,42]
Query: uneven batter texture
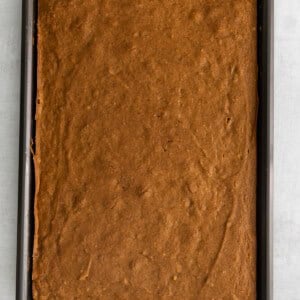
[145,150]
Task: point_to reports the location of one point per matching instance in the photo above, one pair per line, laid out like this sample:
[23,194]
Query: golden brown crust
[145,150]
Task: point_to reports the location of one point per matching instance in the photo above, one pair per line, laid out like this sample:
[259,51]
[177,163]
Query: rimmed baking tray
[264,151]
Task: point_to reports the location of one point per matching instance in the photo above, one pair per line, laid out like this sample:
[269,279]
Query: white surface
[287,146]
[287,151]
[10,24]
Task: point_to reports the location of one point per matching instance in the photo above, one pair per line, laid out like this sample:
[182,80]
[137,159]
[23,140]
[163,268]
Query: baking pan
[26,169]
[264,150]
[265,129]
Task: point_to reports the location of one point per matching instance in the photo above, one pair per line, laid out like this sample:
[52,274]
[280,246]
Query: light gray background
[10,24]
[287,146]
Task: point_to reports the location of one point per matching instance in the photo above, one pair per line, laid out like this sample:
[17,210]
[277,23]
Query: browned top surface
[146,152]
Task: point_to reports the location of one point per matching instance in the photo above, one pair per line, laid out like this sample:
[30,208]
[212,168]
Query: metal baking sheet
[264,151]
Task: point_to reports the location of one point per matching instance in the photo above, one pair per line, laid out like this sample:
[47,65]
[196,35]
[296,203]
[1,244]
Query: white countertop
[287,151]
[287,146]
[10,34]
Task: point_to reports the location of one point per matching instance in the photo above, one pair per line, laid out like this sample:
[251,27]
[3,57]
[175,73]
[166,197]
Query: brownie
[145,158]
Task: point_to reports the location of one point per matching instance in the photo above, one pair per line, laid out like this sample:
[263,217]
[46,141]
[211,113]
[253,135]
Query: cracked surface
[145,150]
